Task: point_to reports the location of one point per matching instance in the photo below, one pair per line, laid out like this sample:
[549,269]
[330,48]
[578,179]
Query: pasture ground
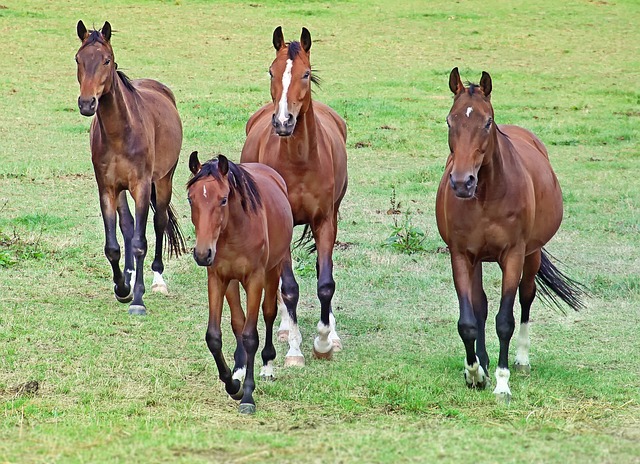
[115,388]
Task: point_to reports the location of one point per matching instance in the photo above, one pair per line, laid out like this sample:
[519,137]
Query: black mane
[294,49]
[472,88]
[240,183]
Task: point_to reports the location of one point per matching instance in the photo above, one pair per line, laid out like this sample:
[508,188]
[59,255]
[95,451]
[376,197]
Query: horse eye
[306,75]
[488,125]
[107,61]
[189,200]
[76,59]
[270,74]
[223,202]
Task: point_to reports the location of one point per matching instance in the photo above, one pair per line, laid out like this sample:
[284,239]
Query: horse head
[290,81]
[96,66]
[472,132]
[208,195]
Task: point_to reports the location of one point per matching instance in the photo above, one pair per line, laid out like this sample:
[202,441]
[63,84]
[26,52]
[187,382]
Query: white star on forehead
[469,110]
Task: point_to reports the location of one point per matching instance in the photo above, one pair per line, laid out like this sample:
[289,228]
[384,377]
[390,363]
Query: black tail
[176,245]
[554,286]
[305,240]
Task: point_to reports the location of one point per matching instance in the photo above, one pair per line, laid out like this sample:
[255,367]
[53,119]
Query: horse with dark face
[305,142]
[499,200]
[136,137]
[243,226]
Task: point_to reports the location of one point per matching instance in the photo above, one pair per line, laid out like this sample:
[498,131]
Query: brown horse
[135,143]
[243,226]
[305,142]
[498,200]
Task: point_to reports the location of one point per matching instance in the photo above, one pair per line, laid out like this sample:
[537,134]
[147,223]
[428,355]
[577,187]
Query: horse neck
[492,176]
[303,143]
[114,109]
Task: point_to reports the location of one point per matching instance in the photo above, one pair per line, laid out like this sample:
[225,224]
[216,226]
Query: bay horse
[499,200]
[136,137]
[243,225]
[305,141]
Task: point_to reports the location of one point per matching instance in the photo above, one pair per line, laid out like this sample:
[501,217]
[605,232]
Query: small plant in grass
[405,237]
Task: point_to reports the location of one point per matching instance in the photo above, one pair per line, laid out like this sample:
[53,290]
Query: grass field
[115,388]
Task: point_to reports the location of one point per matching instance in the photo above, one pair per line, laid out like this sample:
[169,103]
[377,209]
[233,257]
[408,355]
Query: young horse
[243,228]
[498,200]
[135,143]
[305,142]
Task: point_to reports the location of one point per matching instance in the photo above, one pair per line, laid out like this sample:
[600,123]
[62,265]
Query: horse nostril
[471,181]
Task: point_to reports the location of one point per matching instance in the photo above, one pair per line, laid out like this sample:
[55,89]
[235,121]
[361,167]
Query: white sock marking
[322,344]
[267,371]
[475,373]
[295,339]
[157,279]
[469,110]
[239,374]
[522,355]
[502,381]
[283,106]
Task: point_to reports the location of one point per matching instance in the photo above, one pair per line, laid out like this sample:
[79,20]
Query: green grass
[113,388]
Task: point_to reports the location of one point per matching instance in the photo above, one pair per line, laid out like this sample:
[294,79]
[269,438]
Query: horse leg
[269,309]
[512,266]
[474,374]
[479,301]
[216,291]
[290,294]
[237,324]
[285,320]
[141,194]
[527,293]
[325,237]
[126,227]
[111,246]
[254,287]
[162,189]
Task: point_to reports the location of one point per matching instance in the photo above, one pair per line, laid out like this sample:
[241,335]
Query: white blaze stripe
[204,191]
[283,105]
[469,110]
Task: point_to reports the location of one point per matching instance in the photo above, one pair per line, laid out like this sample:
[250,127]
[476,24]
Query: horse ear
[106,31]
[82,30]
[305,39]
[194,163]
[223,165]
[485,84]
[278,38]
[455,83]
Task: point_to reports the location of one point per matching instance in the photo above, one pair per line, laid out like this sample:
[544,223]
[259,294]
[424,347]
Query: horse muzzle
[87,106]
[464,188]
[284,129]
[203,257]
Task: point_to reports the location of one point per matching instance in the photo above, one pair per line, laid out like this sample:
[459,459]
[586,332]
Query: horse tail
[176,244]
[554,286]
[306,240]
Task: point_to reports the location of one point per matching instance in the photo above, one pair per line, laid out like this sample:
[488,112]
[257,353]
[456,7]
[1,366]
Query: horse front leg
[325,342]
[111,246]
[480,310]
[290,294]
[463,270]
[253,287]
[511,266]
[216,289]
[126,227]
[141,195]
[237,325]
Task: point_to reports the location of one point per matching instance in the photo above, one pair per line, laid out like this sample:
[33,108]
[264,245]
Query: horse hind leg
[290,295]
[160,199]
[285,320]
[269,309]
[527,293]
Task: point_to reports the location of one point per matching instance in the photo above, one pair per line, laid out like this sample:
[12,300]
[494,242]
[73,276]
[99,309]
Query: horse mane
[240,183]
[471,88]
[126,81]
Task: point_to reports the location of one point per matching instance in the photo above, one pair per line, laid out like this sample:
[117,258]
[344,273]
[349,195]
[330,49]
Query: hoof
[124,299]
[283,336]
[160,288]
[247,408]
[328,355]
[238,395]
[503,398]
[267,377]
[523,368]
[137,310]
[294,361]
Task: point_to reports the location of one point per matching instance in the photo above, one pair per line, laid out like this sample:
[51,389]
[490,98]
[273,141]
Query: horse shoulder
[154,87]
